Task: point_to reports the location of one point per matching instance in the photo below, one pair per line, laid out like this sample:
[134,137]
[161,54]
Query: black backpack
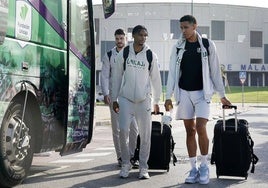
[109,54]
[149,55]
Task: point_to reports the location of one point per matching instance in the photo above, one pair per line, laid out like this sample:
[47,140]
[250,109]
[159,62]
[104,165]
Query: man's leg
[203,140]
[133,134]
[203,146]
[143,118]
[190,137]
[124,124]
[191,144]
[115,133]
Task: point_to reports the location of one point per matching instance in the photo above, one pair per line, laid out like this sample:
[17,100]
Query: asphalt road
[96,166]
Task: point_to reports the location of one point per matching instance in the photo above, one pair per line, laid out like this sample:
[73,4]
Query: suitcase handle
[224,107]
[229,107]
[158,113]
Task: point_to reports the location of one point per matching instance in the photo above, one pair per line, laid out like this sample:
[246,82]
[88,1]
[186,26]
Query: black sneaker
[119,160]
[134,162]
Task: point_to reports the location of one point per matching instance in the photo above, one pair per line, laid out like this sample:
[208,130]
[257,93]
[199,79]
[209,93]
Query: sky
[256,3]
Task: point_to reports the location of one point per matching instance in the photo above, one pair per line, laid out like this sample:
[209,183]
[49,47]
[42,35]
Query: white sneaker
[193,176]
[124,172]
[204,174]
[144,174]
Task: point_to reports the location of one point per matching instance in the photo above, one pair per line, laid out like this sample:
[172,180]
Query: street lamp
[166,37]
[192,7]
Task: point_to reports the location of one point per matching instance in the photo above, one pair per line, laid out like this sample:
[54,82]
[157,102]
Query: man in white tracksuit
[106,86]
[132,87]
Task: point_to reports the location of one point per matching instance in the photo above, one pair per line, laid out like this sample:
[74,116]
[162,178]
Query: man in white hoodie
[194,74]
[106,86]
[133,80]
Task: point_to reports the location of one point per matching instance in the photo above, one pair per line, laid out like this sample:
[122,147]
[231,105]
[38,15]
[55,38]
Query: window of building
[204,31]
[255,38]
[265,53]
[97,29]
[106,46]
[217,30]
[175,28]
[129,34]
[256,78]
[255,61]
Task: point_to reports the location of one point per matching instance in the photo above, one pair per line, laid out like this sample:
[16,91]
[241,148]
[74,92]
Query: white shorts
[192,104]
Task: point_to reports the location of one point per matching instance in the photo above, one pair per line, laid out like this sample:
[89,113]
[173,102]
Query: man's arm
[105,75]
[156,83]
[117,75]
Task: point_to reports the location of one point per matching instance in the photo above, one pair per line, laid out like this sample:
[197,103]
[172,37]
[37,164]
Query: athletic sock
[193,162]
[204,160]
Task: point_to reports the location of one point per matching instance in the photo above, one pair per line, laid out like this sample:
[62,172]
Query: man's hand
[116,107]
[168,105]
[156,109]
[225,101]
[107,99]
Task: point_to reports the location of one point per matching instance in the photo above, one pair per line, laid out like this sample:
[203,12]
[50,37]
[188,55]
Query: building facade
[239,32]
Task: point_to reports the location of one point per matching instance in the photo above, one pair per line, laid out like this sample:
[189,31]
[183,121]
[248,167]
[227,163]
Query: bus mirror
[108,7]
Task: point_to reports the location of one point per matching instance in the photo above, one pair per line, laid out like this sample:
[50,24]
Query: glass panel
[79,27]
[175,28]
[217,30]
[255,38]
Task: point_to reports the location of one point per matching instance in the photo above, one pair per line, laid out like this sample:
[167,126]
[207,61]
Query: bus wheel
[16,145]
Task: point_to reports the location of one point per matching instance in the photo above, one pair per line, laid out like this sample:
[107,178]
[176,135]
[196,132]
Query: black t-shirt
[191,68]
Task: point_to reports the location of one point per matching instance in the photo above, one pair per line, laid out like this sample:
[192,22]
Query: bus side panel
[28,54]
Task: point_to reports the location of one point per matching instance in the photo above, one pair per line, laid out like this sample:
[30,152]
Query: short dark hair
[138,28]
[188,18]
[119,32]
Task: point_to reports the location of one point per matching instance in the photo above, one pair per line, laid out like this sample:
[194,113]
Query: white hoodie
[107,66]
[136,81]
[212,80]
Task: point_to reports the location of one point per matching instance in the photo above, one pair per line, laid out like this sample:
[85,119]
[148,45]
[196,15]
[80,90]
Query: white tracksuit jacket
[132,88]
[106,86]
[212,80]
[135,83]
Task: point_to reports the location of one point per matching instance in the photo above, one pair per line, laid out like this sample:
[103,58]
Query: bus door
[81,66]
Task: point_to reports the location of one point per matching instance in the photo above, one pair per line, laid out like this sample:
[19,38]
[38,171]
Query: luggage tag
[166,119]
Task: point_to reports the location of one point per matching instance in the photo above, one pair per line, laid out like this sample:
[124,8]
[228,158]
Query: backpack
[109,54]
[205,43]
[149,55]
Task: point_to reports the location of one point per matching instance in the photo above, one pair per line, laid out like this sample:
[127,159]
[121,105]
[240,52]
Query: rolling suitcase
[162,146]
[232,151]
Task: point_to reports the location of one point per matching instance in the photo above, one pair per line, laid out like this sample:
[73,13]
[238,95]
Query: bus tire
[16,150]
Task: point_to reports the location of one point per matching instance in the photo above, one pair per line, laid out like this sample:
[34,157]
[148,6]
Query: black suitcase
[162,146]
[232,150]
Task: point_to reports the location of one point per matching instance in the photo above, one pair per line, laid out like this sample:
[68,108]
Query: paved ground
[254,113]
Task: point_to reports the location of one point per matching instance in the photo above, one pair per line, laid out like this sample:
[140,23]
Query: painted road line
[46,172]
[104,148]
[94,154]
[71,161]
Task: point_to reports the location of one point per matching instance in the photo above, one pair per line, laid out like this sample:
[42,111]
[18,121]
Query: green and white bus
[47,80]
